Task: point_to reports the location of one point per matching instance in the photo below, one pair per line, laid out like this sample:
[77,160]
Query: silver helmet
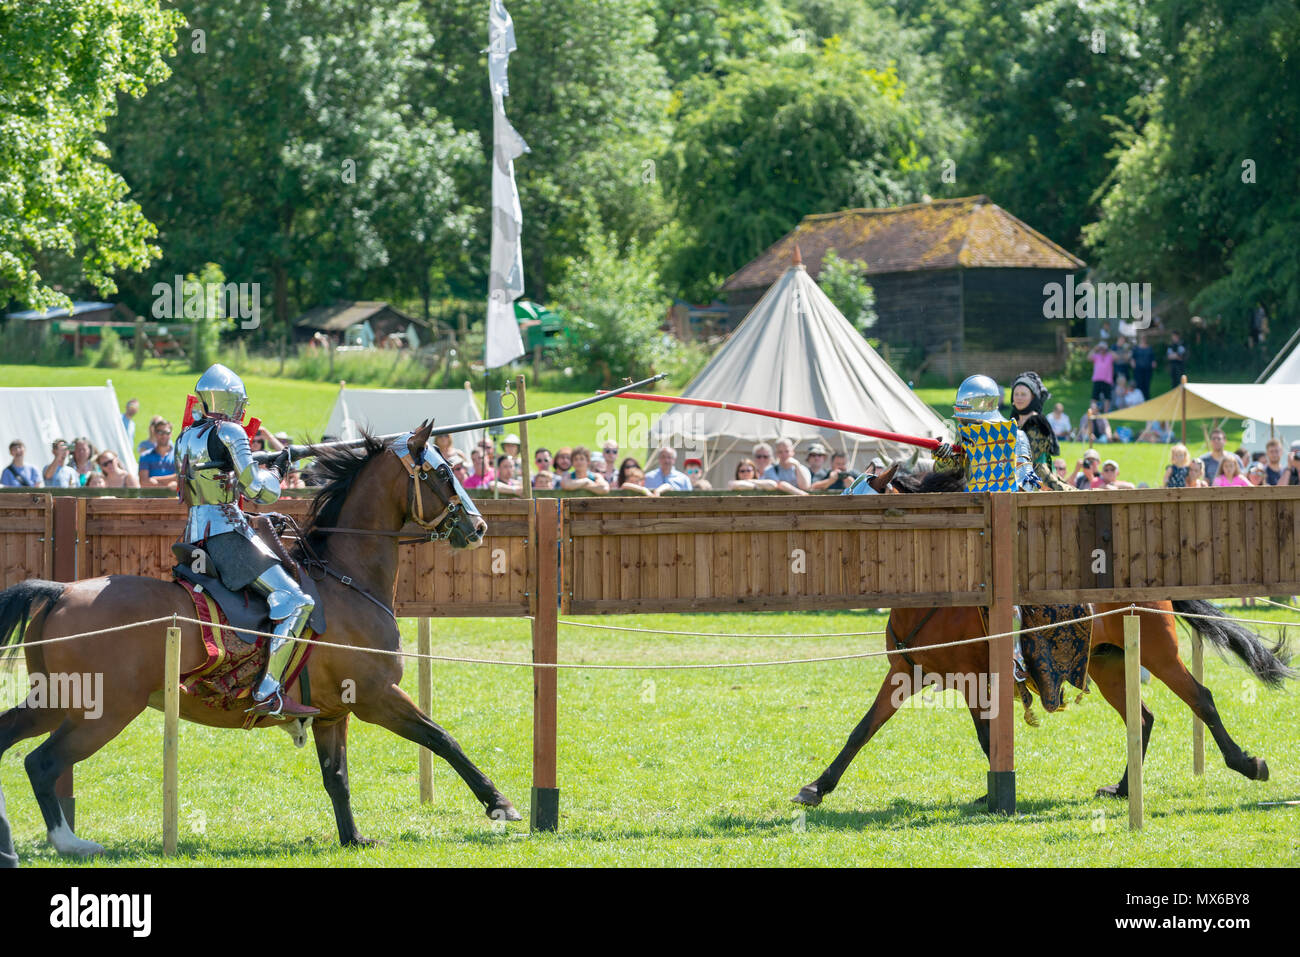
[977,398]
[222,393]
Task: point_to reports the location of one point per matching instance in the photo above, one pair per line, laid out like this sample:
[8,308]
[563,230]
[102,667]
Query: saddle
[247,608]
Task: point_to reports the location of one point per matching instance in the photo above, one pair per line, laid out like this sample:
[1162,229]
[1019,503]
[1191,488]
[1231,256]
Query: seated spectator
[444,445]
[762,456]
[1255,475]
[582,478]
[623,468]
[483,473]
[633,479]
[128,419]
[1196,477]
[293,479]
[838,478]
[1161,432]
[1275,469]
[17,474]
[541,462]
[507,482]
[747,478]
[1110,476]
[544,480]
[1179,467]
[1229,474]
[459,469]
[1061,469]
[816,462]
[666,474]
[1087,471]
[563,462]
[787,470]
[608,464]
[695,472]
[148,442]
[510,447]
[1060,422]
[158,465]
[116,474]
[83,458]
[95,480]
[1127,395]
[1293,466]
[1094,428]
[1216,454]
[59,474]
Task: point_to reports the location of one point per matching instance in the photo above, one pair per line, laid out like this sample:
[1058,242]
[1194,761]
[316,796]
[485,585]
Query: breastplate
[200,483]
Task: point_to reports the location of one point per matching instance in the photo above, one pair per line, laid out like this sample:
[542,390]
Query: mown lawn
[698,768]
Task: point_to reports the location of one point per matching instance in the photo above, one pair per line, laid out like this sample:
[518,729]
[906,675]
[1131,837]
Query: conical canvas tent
[794,352]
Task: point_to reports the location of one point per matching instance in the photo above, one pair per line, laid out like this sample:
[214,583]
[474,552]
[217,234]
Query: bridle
[439,528]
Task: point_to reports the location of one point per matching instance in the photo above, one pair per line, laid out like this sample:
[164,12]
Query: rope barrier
[716,634]
[457,659]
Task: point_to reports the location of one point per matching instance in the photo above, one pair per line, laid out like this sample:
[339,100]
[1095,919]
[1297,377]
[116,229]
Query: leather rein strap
[905,643]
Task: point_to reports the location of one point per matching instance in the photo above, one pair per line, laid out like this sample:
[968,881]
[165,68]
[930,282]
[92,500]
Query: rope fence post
[1002,747]
[1133,716]
[63,559]
[1198,726]
[544,812]
[171,741]
[425,678]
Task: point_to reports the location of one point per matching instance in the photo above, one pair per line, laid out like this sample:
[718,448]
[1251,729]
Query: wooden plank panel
[1170,514]
[1051,532]
[1072,554]
[1267,515]
[1155,546]
[1187,545]
[1233,544]
[1118,558]
[1250,540]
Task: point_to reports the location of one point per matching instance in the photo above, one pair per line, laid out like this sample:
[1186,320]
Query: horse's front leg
[332,749]
[888,699]
[394,710]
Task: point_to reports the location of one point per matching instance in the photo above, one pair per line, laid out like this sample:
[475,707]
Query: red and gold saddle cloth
[225,681]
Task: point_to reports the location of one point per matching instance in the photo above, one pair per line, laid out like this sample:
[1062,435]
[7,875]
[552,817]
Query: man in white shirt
[665,474]
[787,468]
[1059,421]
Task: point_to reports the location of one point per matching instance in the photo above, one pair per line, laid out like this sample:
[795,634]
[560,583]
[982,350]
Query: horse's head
[882,482]
[435,499]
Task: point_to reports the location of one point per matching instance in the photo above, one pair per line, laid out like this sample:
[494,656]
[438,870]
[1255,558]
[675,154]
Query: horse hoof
[1261,770]
[69,845]
[808,795]
[1111,791]
[364,842]
[504,811]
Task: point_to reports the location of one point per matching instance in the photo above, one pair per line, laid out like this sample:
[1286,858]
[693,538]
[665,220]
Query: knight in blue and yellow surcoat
[993,453]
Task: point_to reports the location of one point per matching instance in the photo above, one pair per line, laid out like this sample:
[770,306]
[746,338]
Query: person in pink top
[1230,473]
[483,473]
[1103,374]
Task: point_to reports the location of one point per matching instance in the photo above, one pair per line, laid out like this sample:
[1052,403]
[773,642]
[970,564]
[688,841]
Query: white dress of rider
[216,466]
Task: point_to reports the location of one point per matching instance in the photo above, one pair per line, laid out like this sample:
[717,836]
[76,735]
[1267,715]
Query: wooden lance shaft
[899,437]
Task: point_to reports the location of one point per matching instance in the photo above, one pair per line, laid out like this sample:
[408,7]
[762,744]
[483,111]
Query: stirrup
[270,714]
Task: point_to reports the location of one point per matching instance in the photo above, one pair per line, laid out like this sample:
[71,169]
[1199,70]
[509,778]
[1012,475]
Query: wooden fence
[721,553]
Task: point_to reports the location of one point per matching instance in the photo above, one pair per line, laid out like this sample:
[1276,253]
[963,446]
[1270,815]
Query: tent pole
[1183,399]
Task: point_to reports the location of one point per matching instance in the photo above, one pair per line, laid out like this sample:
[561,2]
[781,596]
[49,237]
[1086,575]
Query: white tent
[39,415]
[1267,408]
[794,352]
[1284,411]
[384,411]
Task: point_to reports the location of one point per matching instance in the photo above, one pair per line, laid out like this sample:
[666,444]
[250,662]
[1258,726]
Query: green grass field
[698,768]
[302,409]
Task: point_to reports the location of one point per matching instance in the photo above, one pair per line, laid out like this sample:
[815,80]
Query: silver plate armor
[213,493]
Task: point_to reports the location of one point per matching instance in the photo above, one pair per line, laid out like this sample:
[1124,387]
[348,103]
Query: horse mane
[334,470]
[948,481]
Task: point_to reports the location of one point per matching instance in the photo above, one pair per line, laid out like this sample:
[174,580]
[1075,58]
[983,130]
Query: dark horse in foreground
[1159,655]
[371,495]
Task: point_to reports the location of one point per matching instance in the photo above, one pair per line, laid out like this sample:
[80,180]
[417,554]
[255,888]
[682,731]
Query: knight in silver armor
[216,467]
[976,404]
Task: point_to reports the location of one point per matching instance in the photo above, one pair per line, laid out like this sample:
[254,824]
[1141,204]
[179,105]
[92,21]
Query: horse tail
[16,608]
[1269,664]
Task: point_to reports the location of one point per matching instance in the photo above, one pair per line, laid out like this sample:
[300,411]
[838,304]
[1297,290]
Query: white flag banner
[506,276]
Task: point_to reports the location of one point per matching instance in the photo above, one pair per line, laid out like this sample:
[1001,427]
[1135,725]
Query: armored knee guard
[290,608]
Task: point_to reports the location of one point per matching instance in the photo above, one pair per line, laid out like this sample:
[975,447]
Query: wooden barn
[381,318]
[958,283]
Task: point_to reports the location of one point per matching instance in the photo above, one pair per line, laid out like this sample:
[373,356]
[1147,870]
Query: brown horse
[918,627]
[354,530]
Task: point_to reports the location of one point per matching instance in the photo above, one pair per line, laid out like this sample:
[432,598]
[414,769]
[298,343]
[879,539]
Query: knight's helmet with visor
[222,393]
[989,440]
[977,399]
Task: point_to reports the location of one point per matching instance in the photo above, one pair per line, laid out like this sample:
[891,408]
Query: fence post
[1198,726]
[545,804]
[63,565]
[425,678]
[171,740]
[1133,716]
[1002,748]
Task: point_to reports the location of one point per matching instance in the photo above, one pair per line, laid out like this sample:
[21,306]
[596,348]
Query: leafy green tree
[613,300]
[63,210]
[1205,200]
[756,150]
[844,282]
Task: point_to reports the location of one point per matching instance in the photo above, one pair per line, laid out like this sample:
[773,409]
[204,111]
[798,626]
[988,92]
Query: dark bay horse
[920,627]
[371,494]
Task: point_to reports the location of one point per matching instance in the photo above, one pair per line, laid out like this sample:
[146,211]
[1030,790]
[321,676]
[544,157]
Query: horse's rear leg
[395,711]
[332,749]
[1107,669]
[1169,668]
[75,739]
[881,709]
